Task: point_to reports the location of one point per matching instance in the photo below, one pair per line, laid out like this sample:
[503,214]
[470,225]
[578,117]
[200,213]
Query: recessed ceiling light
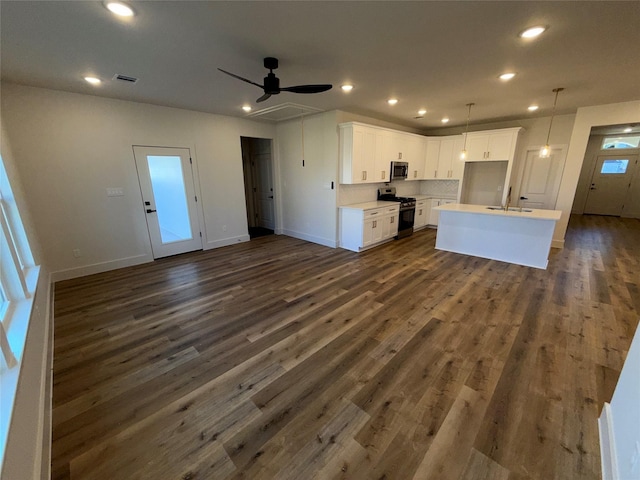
[507,76]
[119,8]
[422,111]
[532,32]
[392,101]
[246,108]
[445,120]
[346,87]
[532,108]
[627,130]
[93,80]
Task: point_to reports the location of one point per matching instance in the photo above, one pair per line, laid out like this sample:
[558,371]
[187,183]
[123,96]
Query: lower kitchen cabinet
[422,214]
[367,225]
[433,214]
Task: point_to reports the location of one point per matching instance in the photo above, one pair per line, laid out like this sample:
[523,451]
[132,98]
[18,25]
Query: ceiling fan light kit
[272,83]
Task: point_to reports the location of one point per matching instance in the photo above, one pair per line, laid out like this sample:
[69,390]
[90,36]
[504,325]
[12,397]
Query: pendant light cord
[553,112]
[464,147]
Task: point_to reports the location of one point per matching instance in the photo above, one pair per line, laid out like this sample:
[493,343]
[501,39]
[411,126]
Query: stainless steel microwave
[399,170]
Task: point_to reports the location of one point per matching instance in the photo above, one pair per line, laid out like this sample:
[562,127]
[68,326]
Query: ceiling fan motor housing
[271,84]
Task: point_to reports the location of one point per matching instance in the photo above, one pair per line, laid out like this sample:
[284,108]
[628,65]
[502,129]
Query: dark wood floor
[281,359]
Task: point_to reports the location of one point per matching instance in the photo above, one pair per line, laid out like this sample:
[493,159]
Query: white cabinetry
[366,153]
[449,164]
[491,145]
[422,214]
[363,154]
[365,225]
[433,214]
[431,158]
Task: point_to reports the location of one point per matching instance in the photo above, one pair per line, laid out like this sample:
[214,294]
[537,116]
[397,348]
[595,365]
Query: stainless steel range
[407,210]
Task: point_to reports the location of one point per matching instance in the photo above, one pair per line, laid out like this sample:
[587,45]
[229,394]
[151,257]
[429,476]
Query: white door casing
[610,185]
[168,193]
[541,179]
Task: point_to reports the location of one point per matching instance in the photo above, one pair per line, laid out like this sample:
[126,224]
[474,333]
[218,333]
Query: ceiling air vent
[125,78]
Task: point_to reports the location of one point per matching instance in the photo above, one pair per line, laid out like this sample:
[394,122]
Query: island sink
[511,209]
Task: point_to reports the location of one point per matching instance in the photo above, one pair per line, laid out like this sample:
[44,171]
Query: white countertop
[370,205]
[422,196]
[535,214]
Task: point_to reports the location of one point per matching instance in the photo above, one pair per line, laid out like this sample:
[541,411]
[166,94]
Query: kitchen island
[520,236]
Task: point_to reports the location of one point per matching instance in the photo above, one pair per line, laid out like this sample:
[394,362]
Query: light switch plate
[115,192]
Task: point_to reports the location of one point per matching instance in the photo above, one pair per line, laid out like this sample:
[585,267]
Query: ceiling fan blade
[307,88]
[240,78]
[264,97]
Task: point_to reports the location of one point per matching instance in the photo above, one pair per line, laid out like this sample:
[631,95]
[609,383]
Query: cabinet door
[444,158]
[387,226]
[500,145]
[477,147]
[420,219]
[457,164]
[384,154]
[367,232]
[377,230]
[416,152]
[431,162]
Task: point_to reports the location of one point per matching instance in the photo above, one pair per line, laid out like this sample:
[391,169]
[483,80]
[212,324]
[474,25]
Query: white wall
[586,118]
[304,194]
[620,421]
[27,453]
[70,148]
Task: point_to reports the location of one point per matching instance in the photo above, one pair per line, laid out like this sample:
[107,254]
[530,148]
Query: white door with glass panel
[168,193]
[610,184]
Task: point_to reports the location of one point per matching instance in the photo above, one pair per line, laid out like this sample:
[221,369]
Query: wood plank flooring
[281,359]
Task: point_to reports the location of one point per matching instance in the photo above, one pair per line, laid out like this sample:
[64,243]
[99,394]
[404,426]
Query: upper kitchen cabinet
[449,166]
[492,145]
[414,154]
[366,153]
[362,154]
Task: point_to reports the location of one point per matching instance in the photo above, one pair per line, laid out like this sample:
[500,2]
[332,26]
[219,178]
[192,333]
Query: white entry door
[168,193]
[264,190]
[610,184]
[541,179]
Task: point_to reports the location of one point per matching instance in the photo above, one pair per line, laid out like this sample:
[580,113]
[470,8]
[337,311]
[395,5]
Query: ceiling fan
[272,83]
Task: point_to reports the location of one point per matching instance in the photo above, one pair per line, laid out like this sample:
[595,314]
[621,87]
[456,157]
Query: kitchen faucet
[506,206]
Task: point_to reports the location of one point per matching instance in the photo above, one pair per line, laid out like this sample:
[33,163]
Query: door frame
[249,173]
[196,185]
[623,152]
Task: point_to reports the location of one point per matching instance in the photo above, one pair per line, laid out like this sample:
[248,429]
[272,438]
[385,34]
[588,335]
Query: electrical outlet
[77,253]
[224,228]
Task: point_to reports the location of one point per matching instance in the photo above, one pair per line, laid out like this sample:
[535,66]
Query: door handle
[270,196]
[524,198]
[149,210]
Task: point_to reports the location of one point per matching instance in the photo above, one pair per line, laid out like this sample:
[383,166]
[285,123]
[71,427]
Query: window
[632,141]
[18,279]
[614,166]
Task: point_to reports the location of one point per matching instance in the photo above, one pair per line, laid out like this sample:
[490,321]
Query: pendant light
[545,152]
[463,153]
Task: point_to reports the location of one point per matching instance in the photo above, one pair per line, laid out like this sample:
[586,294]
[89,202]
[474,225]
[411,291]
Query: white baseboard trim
[607,444]
[223,242]
[311,238]
[100,267]
[557,243]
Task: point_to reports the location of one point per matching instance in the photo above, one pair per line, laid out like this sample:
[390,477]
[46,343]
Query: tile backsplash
[349,194]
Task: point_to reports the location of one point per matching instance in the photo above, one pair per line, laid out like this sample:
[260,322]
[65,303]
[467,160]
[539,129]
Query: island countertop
[531,213]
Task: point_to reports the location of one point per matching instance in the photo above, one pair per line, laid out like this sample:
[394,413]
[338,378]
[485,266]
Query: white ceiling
[436,55]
